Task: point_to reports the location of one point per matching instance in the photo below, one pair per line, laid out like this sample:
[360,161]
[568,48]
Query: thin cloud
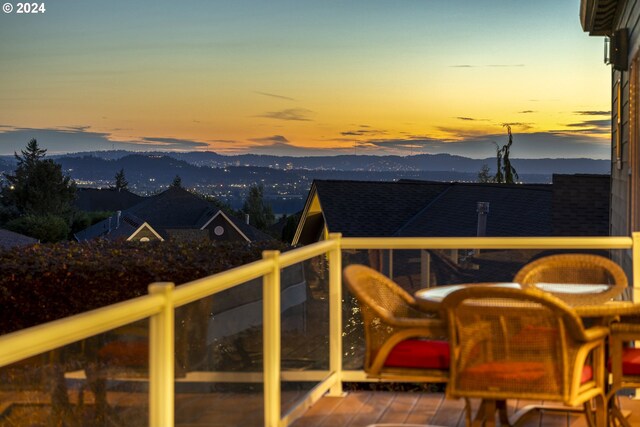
[596,126]
[591,123]
[174,143]
[226,141]
[488,65]
[273,95]
[275,139]
[290,114]
[471,119]
[362,132]
[526,111]
[593,113]
[519,125]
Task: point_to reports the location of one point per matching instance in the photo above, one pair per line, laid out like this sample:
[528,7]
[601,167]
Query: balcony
[274,343]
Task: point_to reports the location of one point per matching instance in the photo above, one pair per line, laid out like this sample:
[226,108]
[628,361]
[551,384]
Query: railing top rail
[201,288]
[306,252]
[617,242]
[49,336]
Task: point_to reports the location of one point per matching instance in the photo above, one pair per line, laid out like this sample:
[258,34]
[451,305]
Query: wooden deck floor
[355,409]
[359,409]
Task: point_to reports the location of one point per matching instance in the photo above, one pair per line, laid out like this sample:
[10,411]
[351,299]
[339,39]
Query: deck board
[429,409]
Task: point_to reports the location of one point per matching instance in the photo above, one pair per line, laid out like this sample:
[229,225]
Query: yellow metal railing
[159,306]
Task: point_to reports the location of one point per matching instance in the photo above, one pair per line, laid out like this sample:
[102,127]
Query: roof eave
[598,16]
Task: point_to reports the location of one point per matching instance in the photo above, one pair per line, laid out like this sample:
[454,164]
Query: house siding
[230,233]
[621,222]
[144,232]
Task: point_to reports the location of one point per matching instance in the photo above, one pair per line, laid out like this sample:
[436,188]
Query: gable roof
[10,239]
[112,228]
[174,208]
[427,208]
[372,208]
[514,210]
[94,199]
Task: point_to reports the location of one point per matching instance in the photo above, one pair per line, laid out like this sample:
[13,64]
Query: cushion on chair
[587,374]
[631,361]
[125,353]
[422,354]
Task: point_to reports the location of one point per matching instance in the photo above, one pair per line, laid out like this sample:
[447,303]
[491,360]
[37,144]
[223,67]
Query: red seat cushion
[631,361]
[422,354]
[587,374]
[126,353]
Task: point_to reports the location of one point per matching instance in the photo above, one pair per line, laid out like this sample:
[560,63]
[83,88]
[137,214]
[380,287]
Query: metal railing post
[271,340]
[335,313]
[162,359]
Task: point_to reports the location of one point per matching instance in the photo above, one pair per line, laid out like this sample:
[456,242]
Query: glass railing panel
[304,329]
[414,270]
[219,359]
[102,380]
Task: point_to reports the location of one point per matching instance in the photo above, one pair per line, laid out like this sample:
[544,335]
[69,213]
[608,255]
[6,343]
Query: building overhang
[598,16]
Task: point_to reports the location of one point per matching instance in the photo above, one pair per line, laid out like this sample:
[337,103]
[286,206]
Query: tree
[506,173]
[177,182]
[121,182]
[484,175]
[290,227]
[38,186]
[260,214]
[46,228]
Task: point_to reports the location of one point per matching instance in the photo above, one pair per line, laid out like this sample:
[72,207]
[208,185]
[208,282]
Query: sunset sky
[305,77]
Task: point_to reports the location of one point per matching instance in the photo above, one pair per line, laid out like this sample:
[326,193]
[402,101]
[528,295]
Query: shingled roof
[10,239]
[427,208]
[173,209]
[371,208]
[94,199]
[514,210]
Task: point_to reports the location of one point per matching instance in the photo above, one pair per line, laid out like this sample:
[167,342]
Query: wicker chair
[402,342]
[522,344]
[550,273]
[624,364]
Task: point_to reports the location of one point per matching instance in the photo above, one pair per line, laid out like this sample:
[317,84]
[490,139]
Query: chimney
[118,214]
[246,218]
[483,211]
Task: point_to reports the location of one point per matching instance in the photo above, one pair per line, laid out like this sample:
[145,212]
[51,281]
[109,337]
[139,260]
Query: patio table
[429,298]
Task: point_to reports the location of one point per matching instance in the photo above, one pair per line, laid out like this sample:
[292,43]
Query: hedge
[45,282]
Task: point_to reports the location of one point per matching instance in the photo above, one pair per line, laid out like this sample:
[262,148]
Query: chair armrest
[596,333]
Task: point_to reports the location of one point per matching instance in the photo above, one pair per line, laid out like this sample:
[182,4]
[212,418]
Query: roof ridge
[424,209]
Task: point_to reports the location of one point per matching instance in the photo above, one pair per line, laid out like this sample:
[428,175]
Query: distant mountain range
[208,167]
[421,162]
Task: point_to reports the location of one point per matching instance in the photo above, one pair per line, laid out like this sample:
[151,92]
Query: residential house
[619,22]
[109,200]
[572,205]
[173,214]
